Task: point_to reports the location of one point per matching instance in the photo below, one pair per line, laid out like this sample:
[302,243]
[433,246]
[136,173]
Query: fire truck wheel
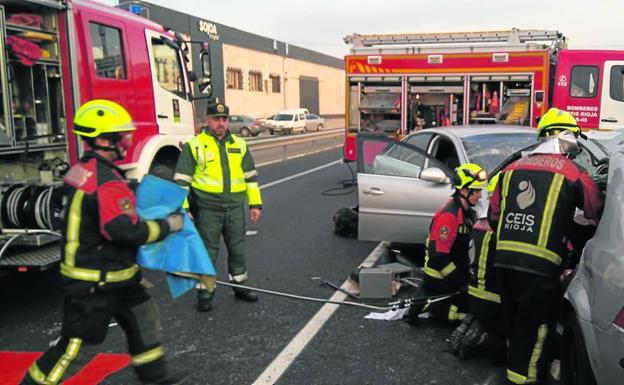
[163,171]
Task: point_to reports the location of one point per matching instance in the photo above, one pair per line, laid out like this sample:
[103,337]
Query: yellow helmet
[99,116]
[555,120]
[470,175]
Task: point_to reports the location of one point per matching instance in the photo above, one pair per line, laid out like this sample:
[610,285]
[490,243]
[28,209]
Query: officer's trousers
[530,305]
[211,224]
[85,324]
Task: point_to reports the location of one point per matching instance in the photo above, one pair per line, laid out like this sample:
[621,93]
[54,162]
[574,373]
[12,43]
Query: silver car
[593,310]
[402,184]
[314,122]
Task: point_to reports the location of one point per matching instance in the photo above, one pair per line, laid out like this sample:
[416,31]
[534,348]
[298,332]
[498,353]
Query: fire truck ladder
[513,36]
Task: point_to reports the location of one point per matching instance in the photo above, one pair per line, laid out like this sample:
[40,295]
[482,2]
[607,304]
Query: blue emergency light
[137,9]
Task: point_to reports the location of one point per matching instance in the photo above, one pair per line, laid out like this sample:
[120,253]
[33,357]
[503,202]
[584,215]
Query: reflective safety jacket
[446,254]
[101,230]
[216,168]
[532,210]
[483,283]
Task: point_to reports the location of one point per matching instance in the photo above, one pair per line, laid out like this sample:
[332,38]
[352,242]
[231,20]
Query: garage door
[309,94]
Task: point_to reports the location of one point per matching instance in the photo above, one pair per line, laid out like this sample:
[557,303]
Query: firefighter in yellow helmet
[483,327]
[446,253]
[555,121]
[101,234]
[219,171]
[531,210]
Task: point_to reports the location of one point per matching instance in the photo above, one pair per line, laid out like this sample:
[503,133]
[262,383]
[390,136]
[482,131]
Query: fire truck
[56,55]
[405,82]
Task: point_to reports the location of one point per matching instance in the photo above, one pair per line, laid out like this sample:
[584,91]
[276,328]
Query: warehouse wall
[266,102]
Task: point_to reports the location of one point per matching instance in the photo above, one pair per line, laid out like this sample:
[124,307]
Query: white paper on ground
[390,315]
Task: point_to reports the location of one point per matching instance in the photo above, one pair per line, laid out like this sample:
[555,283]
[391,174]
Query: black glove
[175,222]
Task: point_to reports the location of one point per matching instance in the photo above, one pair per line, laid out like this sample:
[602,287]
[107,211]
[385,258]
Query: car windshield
[489,150]
[283,117]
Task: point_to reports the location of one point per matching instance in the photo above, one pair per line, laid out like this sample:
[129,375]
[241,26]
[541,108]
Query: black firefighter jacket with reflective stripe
[101,229]
[483,284]
[532,210]
[446,258]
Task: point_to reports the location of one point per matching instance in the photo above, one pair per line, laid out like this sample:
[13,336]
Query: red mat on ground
[13,366]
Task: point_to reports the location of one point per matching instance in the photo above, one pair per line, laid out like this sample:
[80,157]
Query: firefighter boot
[474,338]
[204,300]
[245,294]
[458,334]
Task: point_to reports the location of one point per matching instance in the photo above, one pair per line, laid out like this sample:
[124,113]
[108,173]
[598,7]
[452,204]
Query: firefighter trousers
[530,305]
[451,310]
[211,224]
[85,324]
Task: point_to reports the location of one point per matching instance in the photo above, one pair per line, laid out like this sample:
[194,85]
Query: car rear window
[490,150]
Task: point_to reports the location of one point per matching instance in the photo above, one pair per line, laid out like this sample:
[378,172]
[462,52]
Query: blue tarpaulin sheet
[181,252]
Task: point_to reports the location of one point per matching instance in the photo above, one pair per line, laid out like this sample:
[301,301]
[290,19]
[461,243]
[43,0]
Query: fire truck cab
[56,55]
[400,83]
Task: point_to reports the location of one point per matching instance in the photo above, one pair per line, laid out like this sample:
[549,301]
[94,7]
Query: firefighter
[446,247]
[532,211]
[482,327]
[100,237]
[220,171]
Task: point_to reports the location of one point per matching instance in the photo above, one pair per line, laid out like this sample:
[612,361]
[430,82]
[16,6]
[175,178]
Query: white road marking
[286,357]
[270,184]
[297,156]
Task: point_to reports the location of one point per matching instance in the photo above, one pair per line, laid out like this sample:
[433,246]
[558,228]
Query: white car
[289,121]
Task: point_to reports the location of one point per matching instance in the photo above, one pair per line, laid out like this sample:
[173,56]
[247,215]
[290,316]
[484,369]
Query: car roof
[482,129]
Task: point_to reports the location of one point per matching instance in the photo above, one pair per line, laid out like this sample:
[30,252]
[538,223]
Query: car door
[612,100]
[395,203]
[310,122]
[300,123]
[235,124]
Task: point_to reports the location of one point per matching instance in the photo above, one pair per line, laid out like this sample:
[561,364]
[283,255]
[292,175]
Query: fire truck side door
[612,99]
[395,203]
[174,112]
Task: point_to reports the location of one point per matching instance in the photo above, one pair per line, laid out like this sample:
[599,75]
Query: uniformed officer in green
[220,171]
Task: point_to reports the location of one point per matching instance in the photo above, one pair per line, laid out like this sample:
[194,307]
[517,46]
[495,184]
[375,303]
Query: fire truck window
[107,51]
[616,86]
[168,67]
[584,81]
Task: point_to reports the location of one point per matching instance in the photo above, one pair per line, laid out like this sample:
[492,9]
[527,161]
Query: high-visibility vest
[213,174]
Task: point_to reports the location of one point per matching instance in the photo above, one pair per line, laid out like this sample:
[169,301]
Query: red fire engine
[399,83]
[57,55]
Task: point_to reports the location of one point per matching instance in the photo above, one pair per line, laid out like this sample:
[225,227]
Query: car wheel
[319,127]
[575,366]
[270,132]
[288,131]
[245,132]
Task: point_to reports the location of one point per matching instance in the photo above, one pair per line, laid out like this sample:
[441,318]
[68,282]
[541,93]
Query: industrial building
[256,75]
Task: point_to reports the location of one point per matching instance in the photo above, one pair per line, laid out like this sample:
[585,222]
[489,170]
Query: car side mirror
[435,175]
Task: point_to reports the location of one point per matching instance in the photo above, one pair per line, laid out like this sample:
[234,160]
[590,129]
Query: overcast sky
[321,24]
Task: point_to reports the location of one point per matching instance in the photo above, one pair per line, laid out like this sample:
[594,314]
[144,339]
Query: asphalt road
[293,251]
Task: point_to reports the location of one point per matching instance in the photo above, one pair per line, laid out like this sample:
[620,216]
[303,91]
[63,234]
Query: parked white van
[289,121]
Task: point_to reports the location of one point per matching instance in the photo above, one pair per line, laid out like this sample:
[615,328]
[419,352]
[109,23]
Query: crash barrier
[31,206]
[275,149]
